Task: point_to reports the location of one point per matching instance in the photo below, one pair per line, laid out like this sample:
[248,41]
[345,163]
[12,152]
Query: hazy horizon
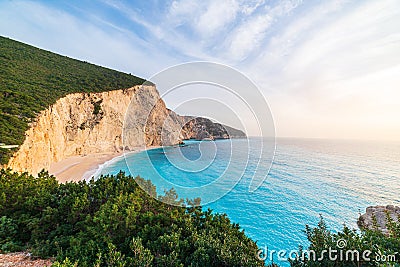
[328,70]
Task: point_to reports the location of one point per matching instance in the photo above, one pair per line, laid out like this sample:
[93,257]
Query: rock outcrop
[376,217]
[202,128]
[85,123]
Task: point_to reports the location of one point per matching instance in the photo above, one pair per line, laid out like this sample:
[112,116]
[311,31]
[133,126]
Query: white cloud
[181,12]
[349,44]
[216,17]
[248,36]
[251,33]
[248,7]
[205,18]
[278,49]
[333,69]
[161,31]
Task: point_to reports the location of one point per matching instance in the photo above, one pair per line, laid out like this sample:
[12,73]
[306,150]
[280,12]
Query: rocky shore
[376,217]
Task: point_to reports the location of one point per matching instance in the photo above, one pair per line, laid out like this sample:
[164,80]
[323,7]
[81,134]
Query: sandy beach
[79,167]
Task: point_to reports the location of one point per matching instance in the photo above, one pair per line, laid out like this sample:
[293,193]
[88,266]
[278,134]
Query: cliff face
[84,123]
[377,217]
[202,128]
[77,124]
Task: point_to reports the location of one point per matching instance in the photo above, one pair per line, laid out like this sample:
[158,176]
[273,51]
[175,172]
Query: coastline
[84,167]
[78,168]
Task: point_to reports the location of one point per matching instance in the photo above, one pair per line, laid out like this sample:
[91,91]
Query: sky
[328,69]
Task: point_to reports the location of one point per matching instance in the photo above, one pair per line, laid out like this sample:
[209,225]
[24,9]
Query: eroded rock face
[83,123]
[202,128]
[78,124]
[379,215]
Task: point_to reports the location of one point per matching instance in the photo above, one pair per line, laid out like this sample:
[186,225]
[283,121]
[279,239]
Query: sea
[307,178]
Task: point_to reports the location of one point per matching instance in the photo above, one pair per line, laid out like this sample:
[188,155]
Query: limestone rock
[85,123]
[202,128]
[380,213]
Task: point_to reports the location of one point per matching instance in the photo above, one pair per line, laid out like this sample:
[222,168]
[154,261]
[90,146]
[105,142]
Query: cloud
[217,15]
[161,30]
[327,70]
[226,31]
[249,7]
[204,18]
[346,46]
[181,12]
[249,35]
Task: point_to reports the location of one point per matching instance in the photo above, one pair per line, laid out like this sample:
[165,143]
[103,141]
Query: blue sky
[328,69]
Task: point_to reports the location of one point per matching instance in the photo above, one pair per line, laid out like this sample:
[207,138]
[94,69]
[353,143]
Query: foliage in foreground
[32,79]
[113,222]
[372,247]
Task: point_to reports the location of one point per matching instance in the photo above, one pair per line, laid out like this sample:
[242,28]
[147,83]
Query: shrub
[113,222]
[349,242]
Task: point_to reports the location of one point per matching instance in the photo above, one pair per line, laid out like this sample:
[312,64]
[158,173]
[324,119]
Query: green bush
[348,241]
[113,222]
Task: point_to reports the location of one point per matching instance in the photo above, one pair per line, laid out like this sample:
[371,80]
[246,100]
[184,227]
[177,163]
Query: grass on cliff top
[32,79]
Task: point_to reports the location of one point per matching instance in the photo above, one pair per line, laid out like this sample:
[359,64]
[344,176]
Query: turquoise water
[337,179]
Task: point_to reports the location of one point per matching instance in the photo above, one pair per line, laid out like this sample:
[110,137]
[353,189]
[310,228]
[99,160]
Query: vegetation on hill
[32,79]
[113,222]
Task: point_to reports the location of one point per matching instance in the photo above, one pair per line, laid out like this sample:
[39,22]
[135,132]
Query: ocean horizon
[309,178]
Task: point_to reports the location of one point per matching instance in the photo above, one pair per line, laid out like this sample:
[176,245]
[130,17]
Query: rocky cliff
[202,128]
[84,123]
[377,217]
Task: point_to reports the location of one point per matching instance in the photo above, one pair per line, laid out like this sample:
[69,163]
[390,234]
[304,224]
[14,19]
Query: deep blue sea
[308,177]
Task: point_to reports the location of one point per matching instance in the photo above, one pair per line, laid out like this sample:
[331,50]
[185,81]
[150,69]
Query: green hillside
[31,79]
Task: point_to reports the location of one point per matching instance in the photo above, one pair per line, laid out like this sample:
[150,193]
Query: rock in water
[376,217]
